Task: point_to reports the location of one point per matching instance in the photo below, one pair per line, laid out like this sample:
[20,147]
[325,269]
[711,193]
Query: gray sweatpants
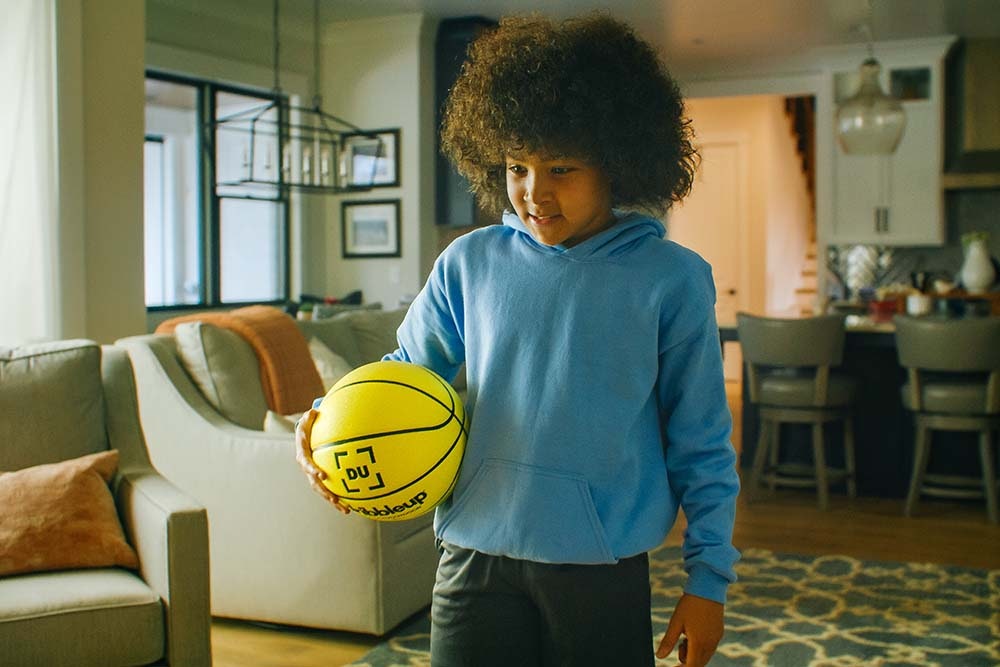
[492,610]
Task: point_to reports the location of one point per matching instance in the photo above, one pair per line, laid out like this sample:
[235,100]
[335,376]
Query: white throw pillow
[275,423]
[330,365]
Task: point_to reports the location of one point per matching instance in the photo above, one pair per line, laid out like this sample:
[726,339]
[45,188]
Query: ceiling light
[292,147]
[870,122]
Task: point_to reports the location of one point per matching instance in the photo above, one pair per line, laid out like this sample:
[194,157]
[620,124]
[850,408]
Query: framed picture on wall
[371,160]
[370,228]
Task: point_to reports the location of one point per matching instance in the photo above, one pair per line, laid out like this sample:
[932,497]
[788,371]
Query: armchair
[279,552]
[58,402]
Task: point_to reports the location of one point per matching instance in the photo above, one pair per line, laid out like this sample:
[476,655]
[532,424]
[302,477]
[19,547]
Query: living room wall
[100,130]
[378,73]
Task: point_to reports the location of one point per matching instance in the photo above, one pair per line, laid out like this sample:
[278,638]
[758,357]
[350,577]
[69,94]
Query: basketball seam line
[450,408]
[451,395]
[369,436]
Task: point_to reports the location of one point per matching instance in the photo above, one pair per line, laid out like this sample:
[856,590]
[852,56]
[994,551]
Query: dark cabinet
[456,206]
[972,125]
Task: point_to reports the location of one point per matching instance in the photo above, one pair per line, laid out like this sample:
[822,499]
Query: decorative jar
[977,272]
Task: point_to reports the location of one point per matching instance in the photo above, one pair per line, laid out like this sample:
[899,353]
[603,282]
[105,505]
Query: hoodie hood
[629,227]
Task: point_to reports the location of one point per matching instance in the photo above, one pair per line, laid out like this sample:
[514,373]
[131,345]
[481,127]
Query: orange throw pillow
[61,516]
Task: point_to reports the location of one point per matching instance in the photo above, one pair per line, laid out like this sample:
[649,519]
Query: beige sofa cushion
[360,336]
[60,516]
[80,618]
[363,336]
[226,370]
[51,399]
[324,310]
[374,331]
[336,333]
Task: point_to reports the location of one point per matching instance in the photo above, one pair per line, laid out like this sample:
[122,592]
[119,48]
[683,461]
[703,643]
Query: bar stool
[953,384]
[789,365]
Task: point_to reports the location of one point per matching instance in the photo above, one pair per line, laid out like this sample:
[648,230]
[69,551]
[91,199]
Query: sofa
[102,561]
[279,552]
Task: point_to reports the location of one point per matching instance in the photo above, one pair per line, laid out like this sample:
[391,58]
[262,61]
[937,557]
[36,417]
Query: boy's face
[561,200]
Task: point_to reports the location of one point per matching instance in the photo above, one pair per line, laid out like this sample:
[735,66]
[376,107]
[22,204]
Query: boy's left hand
[701,623]
[303,455]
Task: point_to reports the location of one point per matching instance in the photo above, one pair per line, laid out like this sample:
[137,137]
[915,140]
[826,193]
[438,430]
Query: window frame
[210,201]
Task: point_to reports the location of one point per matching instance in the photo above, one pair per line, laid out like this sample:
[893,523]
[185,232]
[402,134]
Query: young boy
[595,385]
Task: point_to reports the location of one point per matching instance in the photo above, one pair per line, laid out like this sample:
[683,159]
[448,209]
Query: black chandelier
[282,145]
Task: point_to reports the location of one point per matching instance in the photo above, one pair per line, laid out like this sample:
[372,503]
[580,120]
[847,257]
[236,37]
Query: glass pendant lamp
[870,122]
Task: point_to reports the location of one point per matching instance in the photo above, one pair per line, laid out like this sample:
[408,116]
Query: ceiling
[691,34]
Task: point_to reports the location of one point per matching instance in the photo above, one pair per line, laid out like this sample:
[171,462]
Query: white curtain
[29,200]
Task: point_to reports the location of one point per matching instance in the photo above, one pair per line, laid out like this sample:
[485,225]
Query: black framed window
[207,244]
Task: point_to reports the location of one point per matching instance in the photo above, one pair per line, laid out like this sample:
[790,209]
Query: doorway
[750,213]
[712,219]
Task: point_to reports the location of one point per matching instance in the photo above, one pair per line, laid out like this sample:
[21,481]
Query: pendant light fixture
[870,122]
[286,146]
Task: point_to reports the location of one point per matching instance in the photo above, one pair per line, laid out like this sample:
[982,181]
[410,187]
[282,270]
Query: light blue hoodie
[595,392]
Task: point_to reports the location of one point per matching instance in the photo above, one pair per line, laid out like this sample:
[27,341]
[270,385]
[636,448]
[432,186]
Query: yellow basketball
[390,436]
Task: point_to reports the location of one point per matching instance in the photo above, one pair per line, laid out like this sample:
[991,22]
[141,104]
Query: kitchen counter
[853,324]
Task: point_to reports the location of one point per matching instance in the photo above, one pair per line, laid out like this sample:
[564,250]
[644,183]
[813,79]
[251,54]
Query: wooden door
[712,221]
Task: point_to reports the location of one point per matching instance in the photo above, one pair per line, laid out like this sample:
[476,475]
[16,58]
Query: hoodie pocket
[528,512]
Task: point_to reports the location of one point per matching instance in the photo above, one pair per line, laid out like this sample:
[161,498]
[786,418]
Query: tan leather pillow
[61,516]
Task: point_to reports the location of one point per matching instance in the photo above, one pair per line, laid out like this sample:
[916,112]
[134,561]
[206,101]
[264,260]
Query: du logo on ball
[358,472]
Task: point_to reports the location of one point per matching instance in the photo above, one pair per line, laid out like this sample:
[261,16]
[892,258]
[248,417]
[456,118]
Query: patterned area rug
[803,611]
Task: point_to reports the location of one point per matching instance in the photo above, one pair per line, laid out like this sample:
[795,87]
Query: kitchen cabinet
[895,199]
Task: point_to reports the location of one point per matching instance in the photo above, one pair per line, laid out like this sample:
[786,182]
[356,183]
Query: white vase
[977,270]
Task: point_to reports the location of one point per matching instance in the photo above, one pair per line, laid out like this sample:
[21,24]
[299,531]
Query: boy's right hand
[303,454]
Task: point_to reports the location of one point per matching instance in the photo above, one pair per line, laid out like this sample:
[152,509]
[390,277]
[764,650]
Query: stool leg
[774,450]
[989,474]
[759,456]
[922,449]
[852,480]
[819,459]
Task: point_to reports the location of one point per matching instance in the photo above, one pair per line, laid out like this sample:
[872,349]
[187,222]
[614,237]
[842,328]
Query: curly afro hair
[588,88]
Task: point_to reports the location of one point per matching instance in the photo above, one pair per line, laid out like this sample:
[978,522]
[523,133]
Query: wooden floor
[948,532]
